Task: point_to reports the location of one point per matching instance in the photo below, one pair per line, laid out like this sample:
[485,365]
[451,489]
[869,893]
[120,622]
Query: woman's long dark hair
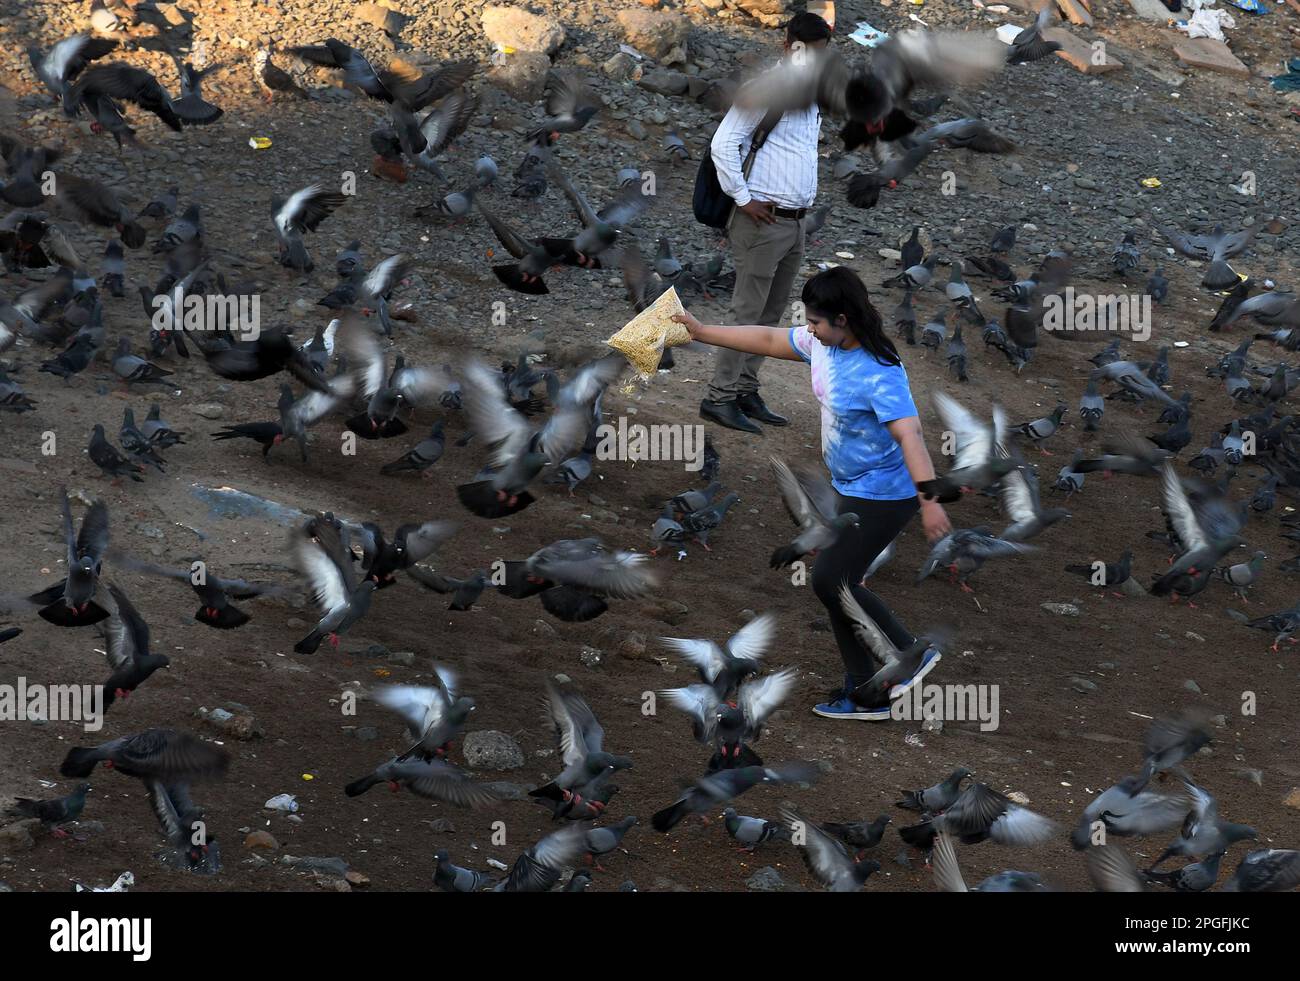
[839,290]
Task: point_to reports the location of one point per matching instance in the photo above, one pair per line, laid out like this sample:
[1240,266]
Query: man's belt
[795,213]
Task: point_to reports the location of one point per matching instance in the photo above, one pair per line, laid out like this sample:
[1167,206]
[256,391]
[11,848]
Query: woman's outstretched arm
[771,342]
[907,433]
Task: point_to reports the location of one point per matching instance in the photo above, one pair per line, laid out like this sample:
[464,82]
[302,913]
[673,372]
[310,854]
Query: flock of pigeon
[549,437]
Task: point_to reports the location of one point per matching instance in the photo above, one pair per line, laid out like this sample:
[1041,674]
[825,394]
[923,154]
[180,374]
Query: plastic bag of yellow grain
[643,339]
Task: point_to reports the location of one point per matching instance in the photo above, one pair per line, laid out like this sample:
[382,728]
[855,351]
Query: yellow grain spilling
[643,339]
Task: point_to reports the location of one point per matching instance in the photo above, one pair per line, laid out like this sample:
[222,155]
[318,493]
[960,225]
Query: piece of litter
[1151,182]
[868,36]
[844,255]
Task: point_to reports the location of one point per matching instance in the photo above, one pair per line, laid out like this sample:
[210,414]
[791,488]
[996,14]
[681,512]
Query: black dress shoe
[752,405]
[728,414]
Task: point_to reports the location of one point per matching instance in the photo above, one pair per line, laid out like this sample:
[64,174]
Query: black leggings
[846,561]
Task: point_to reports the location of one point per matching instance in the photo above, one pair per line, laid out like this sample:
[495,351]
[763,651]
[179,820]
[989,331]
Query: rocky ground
[1079,673]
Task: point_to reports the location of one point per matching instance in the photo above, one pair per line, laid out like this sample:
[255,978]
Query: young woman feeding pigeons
[873,446]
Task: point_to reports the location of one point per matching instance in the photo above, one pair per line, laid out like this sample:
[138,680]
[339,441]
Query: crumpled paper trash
[1206,21]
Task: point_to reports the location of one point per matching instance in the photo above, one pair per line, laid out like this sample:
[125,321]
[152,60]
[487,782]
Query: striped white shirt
[785,167]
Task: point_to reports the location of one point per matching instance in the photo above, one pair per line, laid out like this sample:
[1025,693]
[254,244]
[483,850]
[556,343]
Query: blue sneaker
[844,707]
[929,659]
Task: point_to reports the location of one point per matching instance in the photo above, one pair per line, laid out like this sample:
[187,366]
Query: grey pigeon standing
[133,369]
[114,268]
[1091,407]
[699,524]
[420,457]
[675,147]
[602,841]
[666,531]
[1041,430]
[959,292]
[912,252]
[54,812]
[1242,575]
[1126,255]
[914,277]
[934,333]
[1158,286]
[1004,241]
[750,832]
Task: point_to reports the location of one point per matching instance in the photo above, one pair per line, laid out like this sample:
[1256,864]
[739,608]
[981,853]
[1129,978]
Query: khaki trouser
[767,257]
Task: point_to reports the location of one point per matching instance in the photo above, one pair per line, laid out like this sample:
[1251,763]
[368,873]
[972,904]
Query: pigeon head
[862,870]
[1050,516]
[1239,832]
[531,463]
[461,708]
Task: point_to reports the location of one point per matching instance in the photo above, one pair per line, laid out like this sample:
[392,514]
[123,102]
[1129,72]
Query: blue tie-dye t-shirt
[858,396]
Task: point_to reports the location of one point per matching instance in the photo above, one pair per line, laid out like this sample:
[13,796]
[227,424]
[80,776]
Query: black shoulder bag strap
[761,133]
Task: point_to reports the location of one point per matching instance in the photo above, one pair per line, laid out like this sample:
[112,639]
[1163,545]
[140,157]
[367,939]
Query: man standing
[766,230]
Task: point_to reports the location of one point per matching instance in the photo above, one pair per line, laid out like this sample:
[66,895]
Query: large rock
[619,66]
[261,841]
[769,13]
[514,27]
[19,836]
[766,879]
[491,750]
[657,34]
[664,82]
[522,75]
[377,15]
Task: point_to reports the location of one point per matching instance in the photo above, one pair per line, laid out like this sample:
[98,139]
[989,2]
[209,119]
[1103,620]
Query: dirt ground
[1055,744]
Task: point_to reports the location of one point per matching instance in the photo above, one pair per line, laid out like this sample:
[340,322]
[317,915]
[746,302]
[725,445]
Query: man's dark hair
[808,28]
